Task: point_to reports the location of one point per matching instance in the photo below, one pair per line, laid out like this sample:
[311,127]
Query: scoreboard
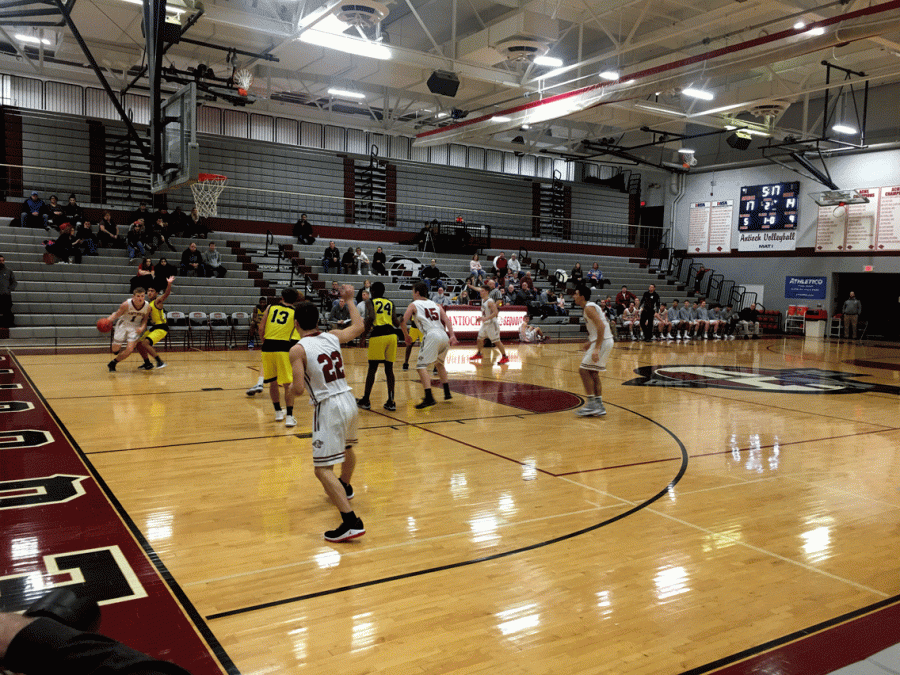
[769,207]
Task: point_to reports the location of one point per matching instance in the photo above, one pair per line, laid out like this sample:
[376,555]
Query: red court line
[73,524]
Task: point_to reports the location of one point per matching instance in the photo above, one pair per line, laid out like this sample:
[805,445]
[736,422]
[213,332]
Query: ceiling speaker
[739,142]
[443,82]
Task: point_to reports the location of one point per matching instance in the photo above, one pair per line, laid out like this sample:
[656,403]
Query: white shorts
[334,428]
[434,348]
[605,348]
[490,331]
[125,333]
[530,335]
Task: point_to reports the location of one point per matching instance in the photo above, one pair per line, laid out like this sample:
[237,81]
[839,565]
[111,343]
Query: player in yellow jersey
[382,347]
[157,327]
[278,326]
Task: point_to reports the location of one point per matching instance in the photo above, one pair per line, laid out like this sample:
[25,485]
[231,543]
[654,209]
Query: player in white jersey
[490,329]
[432,320]
[597,348]
[318,368]
[130,322]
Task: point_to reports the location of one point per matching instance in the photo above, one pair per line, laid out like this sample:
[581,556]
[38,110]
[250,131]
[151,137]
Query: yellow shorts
[415,334]
[383,348]
[154,336]
[277,366]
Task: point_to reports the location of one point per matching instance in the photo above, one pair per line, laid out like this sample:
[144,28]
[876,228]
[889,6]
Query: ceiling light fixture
[31,39]
[550,61]
[344,93]
[843,129]
[698,93]
[178,11]
[659,108]
[501,118]
[686,151]
[799,25]
[609,75]
[816,31]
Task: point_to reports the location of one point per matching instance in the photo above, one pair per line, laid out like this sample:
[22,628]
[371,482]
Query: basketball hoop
[206,193]
[243,79]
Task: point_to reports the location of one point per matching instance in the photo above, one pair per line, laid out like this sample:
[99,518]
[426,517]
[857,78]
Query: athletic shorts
[277,366]
[434,348]
[415,334]
[155,335]
[490,331]
[125,333]
[605,348]
[529,336]
[334,428]
[383,348]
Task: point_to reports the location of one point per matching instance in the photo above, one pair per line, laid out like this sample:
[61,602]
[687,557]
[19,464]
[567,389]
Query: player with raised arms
[318,368]
[157,329]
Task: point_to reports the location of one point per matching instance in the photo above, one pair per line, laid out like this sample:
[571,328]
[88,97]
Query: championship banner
[887,236]
[874,226]
[710,226]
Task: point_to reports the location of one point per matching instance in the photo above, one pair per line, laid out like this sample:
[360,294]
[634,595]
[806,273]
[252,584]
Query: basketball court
[737,502]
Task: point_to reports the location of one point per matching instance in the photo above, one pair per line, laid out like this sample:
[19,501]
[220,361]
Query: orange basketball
[104,325]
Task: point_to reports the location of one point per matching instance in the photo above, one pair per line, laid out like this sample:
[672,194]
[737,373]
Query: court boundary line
[482,559]
[187,606]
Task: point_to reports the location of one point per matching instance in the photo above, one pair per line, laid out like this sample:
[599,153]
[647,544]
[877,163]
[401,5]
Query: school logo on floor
[783,381]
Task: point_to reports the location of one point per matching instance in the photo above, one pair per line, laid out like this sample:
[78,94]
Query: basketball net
[206,193]
[243,79]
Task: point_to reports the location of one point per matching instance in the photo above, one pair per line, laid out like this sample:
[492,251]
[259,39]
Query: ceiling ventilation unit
[522,50]
[769,109]
[362,13]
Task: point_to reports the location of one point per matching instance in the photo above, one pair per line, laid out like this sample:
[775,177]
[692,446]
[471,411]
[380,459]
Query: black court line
[195,616]
[496,556]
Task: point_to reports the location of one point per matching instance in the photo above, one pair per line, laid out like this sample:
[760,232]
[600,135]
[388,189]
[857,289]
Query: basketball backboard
[836,197]
[181,152]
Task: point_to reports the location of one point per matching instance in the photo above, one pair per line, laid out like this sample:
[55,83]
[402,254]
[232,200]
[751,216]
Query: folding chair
[199,322]
[178,325]
[836,326]
[219,327]
[240,323]
[796,319]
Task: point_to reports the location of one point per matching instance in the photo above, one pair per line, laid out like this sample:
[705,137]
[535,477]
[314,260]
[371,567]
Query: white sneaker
[253,391]
[706,336]
[290,421]
[585,411]
[279,415]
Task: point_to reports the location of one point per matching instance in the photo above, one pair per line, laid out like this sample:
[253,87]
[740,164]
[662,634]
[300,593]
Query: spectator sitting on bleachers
[379,260]
[514,267]
[34,212]
[339,317]
[303,231]
[192,262]
[160,233]
[361,261]
[549,304]
[440,297]
[86,240]
[55,215]
[500,266]
[363,304]
[145,277]
[348,261]
[212,261]
[465,297]
[509,297]
[162,271]
[134,240]
[331,258]
[140,212]
[595,277]
[367,286]
[334,294]
[73,212]
[64,247]
[108,232]
[576,276]
[196,226]
[431,275]
[476,269]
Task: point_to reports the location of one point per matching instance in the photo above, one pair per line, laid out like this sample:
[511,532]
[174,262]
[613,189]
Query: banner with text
[780,240]
[808,288]
[874,226]
[710,226]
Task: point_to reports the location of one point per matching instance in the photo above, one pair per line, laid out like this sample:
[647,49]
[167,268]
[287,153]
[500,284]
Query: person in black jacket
[748,323]
[649,307]
[303,231]
[379,260]
[73,213]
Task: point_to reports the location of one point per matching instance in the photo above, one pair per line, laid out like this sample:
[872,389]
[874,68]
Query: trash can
[815,323]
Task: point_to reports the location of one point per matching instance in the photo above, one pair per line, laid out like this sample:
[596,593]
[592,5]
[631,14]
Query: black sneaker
[364,403]
[146,366]
[112,366]
[346,532]
[426,403]
[447,396]
[405,366]
[390,406]
[347,488]
[160,364]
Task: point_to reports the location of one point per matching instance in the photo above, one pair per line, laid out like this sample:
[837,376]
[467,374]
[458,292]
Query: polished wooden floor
[500,540]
